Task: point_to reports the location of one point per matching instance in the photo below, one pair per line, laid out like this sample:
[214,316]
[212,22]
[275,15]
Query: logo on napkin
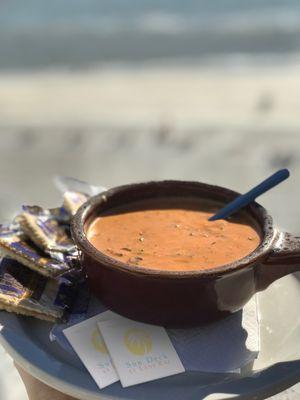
[138,341]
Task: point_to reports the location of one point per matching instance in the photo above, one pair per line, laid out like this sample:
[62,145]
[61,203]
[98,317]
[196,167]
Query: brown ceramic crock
[182,298]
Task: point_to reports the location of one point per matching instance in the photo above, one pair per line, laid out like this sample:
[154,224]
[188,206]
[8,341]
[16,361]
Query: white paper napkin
[88,343]
[224,346]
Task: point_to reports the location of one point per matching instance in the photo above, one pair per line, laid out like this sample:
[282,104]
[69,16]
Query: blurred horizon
[86,33]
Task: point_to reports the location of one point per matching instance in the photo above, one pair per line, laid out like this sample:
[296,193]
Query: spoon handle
[248,197]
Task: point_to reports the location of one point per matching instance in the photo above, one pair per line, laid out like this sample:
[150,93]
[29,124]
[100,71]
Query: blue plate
[277,367]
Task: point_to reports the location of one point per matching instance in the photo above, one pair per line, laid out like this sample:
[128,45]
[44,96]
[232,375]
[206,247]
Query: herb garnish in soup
[173,234]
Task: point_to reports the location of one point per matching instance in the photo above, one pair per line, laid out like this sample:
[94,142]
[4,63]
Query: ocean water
[82,33]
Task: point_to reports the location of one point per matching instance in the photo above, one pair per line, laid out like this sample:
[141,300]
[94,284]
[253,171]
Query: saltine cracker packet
[24,291]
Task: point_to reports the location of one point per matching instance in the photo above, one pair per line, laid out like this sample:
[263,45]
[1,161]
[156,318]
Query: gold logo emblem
[138,341]
[98,342]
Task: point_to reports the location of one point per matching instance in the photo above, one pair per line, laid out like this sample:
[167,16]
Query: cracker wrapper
[41,275]
[59,213]
[11,229]
[25,292]
[73,200]
[14,245]
[45,231]
[69,184]
[77,313]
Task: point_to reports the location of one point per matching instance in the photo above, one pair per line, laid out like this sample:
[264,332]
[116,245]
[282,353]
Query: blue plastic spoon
[250,196]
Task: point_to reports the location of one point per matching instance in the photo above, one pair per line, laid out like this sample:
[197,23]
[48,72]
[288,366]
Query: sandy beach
[146,96]
[231,126]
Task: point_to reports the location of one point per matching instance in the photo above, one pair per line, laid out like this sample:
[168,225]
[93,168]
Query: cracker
[45,232]
[23,291]
[19,248]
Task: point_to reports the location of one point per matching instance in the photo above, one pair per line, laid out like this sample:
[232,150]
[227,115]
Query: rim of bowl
[255,210]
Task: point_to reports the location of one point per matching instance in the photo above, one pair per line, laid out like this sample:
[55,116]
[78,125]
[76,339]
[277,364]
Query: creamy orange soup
[173,234]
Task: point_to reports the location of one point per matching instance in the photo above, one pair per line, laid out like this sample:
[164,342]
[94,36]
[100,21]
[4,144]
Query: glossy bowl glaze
[181,298]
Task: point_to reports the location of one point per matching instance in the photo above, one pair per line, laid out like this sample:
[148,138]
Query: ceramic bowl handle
[284,259]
